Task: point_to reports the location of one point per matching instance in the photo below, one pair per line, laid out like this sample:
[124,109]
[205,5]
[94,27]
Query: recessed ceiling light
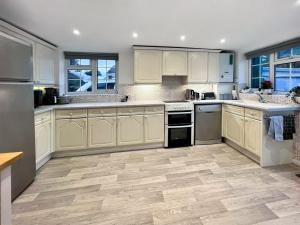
[298,2]
[76,32]
[182,37]
[223,40]
[135,35]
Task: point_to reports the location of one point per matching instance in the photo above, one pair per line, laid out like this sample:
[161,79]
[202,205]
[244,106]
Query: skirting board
[243,151]
[43,161]
[83,152]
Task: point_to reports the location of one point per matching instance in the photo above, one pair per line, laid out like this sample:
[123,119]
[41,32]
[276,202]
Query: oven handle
[185,126]
[179,113]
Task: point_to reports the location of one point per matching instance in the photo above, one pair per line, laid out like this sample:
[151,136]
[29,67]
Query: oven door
[179,118]
[179,136]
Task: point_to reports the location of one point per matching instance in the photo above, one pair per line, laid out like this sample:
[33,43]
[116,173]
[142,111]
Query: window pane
[73,85]
[265,72]
[284,54]
[282,76]
[111,63]
[79,80]
[101,84]
[295,75]
[264,59]
[80,62]
[255,60]
[255,77]
[102,73]
[102,63]
[296,51]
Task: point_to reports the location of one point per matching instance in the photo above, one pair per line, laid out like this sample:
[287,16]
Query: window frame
[272,63]
[93,67]
[297,57]
[259,64]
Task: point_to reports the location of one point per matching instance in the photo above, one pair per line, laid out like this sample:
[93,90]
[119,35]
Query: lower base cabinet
[71,134]
[253,135]
[102,132]
[130,130]
[42,141]
[154,128]
[234,128]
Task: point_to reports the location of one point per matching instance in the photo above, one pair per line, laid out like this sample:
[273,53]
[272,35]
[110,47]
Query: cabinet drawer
[234,109]
[254,114]
[154,109]
[70,113]
[98,112]
[130,110]
[41,118]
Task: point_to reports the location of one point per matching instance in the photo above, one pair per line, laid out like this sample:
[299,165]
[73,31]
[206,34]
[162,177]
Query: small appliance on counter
[189,94]
[208,96]
[51,96]
[38,98]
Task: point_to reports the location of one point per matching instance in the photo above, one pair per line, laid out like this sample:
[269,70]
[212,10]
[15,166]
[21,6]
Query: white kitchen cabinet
[234,128]
[102,132]
[213,67]
[154,128]
[253,135]
[147,66]
[130,130]
[197,67]
[175,63]
[71,134]
[43,138]
[44,64]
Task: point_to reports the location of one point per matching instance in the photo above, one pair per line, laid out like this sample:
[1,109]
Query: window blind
[91,55]
[274,48]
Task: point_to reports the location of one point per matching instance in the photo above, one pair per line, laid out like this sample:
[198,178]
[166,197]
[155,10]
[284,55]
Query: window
[97,74]
[260,70]
[106,75]
[288,53]
[287,76]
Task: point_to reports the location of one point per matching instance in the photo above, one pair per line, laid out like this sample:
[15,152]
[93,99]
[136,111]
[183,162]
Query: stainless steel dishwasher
[208,124]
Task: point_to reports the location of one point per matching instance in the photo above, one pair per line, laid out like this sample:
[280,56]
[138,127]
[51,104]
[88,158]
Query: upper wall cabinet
[175,63]
[213,67]
[44,64]
[147,66]
[197,67]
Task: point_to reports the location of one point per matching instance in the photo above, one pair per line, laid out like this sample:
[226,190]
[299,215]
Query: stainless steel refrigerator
[17,109]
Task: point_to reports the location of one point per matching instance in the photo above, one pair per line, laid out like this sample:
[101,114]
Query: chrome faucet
[261,98]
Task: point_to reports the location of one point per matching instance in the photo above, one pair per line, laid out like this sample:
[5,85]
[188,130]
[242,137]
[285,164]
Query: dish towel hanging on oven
[276,128]
[288,127]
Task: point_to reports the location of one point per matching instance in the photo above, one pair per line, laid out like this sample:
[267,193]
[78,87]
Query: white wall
[242,69]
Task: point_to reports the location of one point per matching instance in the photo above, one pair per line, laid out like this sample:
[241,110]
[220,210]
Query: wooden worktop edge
[7,159]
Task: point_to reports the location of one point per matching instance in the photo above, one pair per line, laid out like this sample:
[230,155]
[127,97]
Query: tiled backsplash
[172,88]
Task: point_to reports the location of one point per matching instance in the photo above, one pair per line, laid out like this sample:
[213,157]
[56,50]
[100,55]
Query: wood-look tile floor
[201,185]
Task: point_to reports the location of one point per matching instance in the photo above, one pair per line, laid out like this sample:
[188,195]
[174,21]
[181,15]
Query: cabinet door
[253,135]
[42,140]
[71,134]
[234,125]
[213,67]
[102,132]
[44,64]
[154,128]
[130,130]
[147,66]
[197,67]
[175,63]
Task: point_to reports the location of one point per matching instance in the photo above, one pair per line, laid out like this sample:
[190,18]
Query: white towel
[276,128]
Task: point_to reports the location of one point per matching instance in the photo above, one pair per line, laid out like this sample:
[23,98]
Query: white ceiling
[107,25]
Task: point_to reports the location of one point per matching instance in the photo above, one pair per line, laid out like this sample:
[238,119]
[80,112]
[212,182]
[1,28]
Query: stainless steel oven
[179,125]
